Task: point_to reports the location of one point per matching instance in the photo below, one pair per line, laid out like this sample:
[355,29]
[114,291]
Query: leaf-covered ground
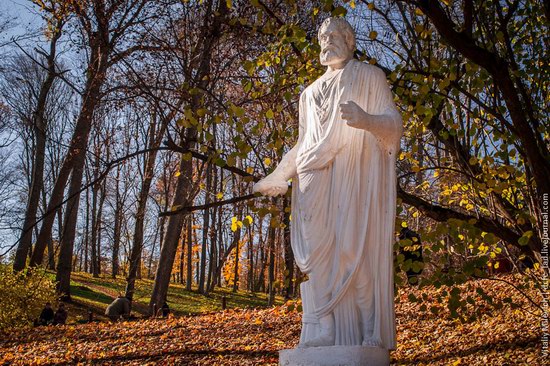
[254,337]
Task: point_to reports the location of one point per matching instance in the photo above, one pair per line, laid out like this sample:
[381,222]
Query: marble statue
[343,198]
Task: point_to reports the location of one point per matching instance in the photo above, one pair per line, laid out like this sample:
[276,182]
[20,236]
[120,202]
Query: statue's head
[337,40]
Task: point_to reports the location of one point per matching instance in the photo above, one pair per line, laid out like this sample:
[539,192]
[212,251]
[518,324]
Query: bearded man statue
[343,198]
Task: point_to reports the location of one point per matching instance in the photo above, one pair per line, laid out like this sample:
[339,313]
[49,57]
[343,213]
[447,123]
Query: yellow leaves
[178,173]
[373,35]
[219,195]
[250,170]
[235,224]
[371,6]
[267,161]
[482,248]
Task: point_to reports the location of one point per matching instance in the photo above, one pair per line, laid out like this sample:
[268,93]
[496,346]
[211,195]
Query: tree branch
[189,209]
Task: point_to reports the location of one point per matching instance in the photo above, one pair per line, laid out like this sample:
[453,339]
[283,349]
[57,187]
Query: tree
[211,32]
[39,124]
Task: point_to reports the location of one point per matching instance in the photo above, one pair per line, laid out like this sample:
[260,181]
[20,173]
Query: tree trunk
[250,279]
[271,270]
[189,253]
[63,275]
[171,239]
[117,229]
[205,228]
[95,272]
[37,180]
[155,139]
[87,233]
[102,192]
[182,252]
[223,259]
[260,284]
[236,269]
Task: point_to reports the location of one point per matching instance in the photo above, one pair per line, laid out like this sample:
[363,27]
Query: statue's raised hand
[271,186]
[354,115]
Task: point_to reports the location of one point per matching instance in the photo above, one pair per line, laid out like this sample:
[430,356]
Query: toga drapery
[343,210]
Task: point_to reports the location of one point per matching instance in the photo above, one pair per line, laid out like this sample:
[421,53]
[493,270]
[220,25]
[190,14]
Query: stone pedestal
[335,356]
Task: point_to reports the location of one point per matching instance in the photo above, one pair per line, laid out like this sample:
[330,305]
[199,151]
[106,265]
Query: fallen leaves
[252,337]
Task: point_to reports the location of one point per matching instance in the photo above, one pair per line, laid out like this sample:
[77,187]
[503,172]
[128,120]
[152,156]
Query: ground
[254,336]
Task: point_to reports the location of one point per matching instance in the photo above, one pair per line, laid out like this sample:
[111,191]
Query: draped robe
[343,209]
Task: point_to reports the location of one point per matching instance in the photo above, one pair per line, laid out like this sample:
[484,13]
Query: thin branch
[189,209]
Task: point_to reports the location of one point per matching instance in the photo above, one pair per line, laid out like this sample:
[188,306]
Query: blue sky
[22,14]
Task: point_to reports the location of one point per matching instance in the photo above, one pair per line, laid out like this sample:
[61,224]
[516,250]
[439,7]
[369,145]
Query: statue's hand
[354,115]
[271,186]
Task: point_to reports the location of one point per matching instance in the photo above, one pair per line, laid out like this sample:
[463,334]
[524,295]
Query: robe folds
[343,210]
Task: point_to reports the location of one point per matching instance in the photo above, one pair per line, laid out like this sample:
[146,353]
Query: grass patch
[95,294]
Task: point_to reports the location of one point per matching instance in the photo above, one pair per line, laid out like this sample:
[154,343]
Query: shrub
[23,296]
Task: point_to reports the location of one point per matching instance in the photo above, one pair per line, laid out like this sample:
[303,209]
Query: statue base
[335,356]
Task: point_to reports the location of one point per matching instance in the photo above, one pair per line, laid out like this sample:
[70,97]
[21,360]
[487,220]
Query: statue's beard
[332,55]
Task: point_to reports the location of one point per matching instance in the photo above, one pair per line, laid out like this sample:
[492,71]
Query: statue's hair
[343,25]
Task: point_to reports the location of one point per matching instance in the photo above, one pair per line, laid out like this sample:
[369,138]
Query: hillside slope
[254,336]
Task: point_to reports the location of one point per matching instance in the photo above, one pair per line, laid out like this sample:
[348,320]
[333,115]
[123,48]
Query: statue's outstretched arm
[276,183]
